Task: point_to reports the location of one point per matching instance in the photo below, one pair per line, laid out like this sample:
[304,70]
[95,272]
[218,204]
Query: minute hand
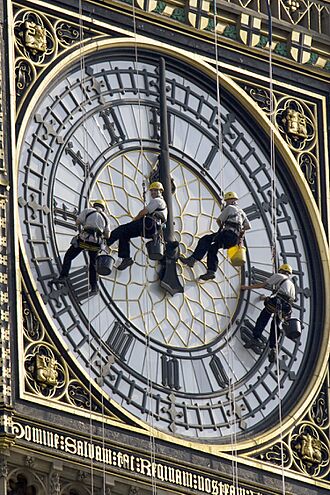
[169,280]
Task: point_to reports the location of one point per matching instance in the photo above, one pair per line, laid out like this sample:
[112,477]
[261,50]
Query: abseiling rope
[87,175]
[145,264]
[274,227]
[230,358]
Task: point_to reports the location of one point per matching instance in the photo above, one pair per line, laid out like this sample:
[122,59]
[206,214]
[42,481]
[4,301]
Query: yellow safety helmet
[285,268]
[99,202]
[230,195]
[156,185]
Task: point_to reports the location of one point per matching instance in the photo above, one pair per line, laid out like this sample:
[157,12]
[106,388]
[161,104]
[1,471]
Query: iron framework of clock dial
[97,136]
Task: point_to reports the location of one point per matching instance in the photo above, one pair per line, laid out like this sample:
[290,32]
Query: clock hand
[169,278]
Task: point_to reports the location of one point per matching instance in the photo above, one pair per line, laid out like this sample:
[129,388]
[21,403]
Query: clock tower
[145,387]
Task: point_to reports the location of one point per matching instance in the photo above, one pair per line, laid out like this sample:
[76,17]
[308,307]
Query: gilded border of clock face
[237,92]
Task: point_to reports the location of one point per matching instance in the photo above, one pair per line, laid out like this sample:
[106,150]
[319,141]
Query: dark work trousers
[280,307]
[71,254]
[124,233]
[211,243]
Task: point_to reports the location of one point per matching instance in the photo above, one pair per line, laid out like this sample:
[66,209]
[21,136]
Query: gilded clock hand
[169,278]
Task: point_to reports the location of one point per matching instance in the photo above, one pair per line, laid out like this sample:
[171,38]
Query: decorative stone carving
[35,37]
[294,123]
[310,449]
[46,371]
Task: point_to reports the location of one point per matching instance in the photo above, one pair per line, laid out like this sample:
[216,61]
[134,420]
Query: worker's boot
[126,262]
[190,261]
[271,355]
[209,275]
[94,290]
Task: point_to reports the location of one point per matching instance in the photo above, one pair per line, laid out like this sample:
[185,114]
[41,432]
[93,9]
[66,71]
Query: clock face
[177,362]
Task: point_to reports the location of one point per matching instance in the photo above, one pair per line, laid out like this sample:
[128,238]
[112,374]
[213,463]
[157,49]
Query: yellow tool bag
[237,255]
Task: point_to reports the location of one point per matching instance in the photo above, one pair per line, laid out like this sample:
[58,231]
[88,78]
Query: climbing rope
[145,263]
[230,358]
[274,228]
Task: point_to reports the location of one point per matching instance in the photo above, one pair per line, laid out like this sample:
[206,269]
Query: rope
[274,229]
[87,174]
[150,419]
[230,359]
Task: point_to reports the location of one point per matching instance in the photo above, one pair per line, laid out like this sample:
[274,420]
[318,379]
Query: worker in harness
[232,223]
[95,230]
[279,304]
[146,224]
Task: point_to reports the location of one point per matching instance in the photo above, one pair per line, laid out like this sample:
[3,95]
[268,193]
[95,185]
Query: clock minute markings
[65,217]
[77,158]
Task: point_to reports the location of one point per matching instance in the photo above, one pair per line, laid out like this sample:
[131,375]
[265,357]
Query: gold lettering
[80,448]
[50,439]
[232,490]
[187,479]
[178,477]
[145,466]
[132,463]
[200,483]
[165,473]
[91,452]
[56,440]
[160,472]
[28,433]
[208,485]
[215,487]
[36,435]
[70,445]
[98,453]
[107,457]
[126,461]
[171,475]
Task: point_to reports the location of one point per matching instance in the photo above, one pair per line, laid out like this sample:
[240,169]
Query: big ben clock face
[178,362]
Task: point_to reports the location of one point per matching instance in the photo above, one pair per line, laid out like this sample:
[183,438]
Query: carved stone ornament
[55,484]
[45,374]
[310,449]
[292,5]
[35,37]
[296,123]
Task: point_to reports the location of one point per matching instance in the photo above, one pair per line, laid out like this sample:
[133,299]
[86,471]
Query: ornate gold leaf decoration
[310,449]
[47,374]
[297,122]
[306,449]
[39,40]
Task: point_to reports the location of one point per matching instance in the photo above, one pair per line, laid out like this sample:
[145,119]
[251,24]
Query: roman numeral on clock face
[219,372]
[170,372]
[119,340]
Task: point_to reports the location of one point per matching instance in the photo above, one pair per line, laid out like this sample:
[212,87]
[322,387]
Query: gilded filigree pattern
[310,448]
[34,37]
[46,373]
[306,447]
[39,39]
[296,123]
[296,120]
